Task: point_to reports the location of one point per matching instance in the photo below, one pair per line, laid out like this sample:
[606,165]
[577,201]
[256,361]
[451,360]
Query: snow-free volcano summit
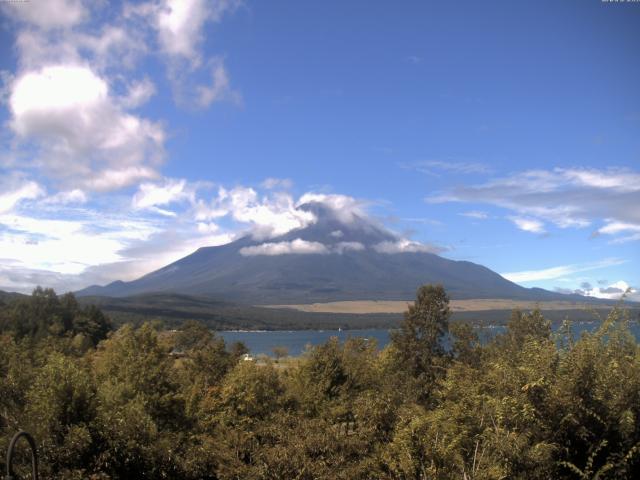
[340,254]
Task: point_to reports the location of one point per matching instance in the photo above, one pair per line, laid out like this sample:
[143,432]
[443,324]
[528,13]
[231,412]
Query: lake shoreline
[296,341]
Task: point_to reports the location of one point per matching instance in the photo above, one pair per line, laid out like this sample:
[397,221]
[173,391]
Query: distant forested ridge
[143,402]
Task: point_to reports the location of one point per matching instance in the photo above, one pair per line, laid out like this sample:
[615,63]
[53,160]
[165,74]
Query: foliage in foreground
[526,405]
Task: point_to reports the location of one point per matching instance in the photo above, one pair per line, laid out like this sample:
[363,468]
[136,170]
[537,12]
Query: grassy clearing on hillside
[475,305]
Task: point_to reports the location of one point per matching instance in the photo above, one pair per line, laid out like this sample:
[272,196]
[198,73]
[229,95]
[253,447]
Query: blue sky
[504,133]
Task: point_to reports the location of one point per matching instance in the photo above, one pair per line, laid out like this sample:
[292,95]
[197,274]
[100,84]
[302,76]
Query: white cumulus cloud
[613,179]
[180,27]
[61,245]
[83,136]
[564,197]
[67,197]
[269,216]
[160,194]
[345,207]
[342,247]
[613,291]
[631,230]
[48,14]
[219,89]
[179,24]
[139,93]
[404,246]
[11,197]
[528,224]
[297,246]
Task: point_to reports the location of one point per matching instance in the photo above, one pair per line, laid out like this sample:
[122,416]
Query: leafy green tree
[419,342]
[60,411]
[205,364]
[250,392]
[16,375]
[596,404]
[238,349]
[192,335]
[466,344]
[322,377]
[141,412]
[525,326]
[91,323]
[44,314]
[148,403]
[38,316]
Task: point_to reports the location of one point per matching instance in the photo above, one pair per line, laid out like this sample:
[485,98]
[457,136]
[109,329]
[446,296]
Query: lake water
[263,342]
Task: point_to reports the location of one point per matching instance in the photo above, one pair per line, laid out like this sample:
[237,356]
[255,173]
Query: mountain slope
[346,257]
[6,297]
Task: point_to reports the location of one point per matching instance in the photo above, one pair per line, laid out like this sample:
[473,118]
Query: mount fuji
[340,255]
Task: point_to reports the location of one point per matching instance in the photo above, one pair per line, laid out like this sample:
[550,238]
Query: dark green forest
[119,403]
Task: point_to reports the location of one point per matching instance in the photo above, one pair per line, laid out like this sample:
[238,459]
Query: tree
[140,409]
[466,344]
[45,315]
[92,323]
[38,316]
[280,351]
[419,341]
[250,392]
[60,408]
[323,373]
[192,335]
[523,326]
[238,349]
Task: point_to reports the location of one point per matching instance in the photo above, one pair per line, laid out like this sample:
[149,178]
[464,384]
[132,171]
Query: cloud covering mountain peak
[333,224]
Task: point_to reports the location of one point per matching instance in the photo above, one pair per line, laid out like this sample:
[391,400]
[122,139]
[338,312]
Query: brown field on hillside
[392,306]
